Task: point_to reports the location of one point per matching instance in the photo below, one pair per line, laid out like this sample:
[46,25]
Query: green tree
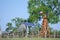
[49,7]
[17,21]
[58,32]
[14,25]
[9,27]
[51,31]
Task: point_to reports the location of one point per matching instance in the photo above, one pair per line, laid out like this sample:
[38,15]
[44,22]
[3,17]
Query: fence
[18,35]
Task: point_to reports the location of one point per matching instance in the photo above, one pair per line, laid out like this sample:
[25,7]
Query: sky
[16,8]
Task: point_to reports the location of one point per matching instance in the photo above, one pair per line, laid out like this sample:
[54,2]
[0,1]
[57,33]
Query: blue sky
[15,8]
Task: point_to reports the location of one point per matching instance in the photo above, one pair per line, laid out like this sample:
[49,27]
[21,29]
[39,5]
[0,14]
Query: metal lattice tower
[45,31]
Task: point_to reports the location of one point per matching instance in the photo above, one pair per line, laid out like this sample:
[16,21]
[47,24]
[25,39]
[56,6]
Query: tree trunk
[45,31]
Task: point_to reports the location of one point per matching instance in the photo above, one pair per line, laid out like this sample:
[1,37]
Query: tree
[17,21]
[14,25]
[48,9]
[58,32]
[10,27]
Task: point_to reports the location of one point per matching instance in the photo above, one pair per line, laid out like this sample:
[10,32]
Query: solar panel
[28,24]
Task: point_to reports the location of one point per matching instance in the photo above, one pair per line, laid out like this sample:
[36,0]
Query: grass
[30,39]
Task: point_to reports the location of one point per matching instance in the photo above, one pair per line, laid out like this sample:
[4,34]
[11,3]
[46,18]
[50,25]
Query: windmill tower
[45,31]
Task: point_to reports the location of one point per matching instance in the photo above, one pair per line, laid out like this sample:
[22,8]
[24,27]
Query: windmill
[45,31]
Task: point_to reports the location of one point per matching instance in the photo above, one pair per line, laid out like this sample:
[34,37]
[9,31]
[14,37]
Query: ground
[29,38]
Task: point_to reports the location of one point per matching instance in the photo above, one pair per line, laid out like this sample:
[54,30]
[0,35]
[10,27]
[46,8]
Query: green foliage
[14,24]
[9,26]
[49,7]
[51,31]
[58,32]
[52,18]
